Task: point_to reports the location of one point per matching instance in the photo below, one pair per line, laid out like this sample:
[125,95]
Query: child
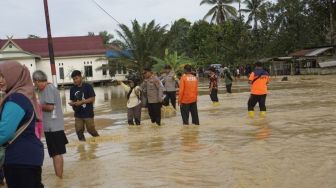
[133,101]
[213,86]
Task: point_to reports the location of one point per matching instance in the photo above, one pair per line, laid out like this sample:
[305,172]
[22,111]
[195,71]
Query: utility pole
[50,44]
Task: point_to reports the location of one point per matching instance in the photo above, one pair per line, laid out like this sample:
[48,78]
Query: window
[104,70]
[88,71]
[61,73]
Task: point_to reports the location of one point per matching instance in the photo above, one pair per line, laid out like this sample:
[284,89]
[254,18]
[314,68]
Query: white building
[84,53]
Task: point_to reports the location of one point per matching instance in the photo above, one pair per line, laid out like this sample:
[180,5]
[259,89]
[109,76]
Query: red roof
[63,46]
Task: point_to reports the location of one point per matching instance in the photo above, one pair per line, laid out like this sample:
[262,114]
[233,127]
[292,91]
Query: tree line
[227,35]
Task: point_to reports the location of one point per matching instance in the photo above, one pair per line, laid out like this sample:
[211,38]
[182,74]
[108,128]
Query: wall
[75,63]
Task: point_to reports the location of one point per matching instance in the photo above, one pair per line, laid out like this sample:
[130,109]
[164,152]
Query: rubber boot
[251,114]
[262,114]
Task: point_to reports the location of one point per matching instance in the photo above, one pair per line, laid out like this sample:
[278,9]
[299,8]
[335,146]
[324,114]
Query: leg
[79,126]
[228,88]
[194,113]
[262,106]
[137,114]
[151,112]
[58,165]
[262,102]
[184,108]
[23,176]
[252,102]
[173,99]
[157,115]
[90,126]
[56,142]
[213,95]
[130,116]
[166,99]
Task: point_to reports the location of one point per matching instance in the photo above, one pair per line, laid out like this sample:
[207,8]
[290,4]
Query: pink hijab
[18,80]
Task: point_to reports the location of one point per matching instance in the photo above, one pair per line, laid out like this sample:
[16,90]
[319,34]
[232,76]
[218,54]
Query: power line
[105,11]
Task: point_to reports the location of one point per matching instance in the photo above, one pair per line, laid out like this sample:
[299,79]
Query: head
[15,78]
[187,68]
[77,78]
[13,75]
[167,68]
[258,64]
[147,73]
[40,79]
[212,70]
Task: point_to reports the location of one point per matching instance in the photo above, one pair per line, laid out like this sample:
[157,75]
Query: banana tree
[175,61]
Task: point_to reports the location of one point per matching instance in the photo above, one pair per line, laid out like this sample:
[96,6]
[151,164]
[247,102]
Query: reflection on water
[189,139]
[112,97]
[294,146]
[87,152]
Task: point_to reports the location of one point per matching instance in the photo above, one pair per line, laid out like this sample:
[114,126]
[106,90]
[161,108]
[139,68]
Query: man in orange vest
[258,80]
[188,92]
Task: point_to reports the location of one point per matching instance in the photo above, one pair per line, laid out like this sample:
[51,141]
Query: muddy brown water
[294,146]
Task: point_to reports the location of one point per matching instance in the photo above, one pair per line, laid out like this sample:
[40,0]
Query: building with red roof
[84,53]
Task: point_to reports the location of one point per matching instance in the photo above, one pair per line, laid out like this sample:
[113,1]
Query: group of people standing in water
[157,91]
[22,152]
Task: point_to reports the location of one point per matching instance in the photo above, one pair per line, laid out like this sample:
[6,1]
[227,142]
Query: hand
[71,103]
[78,103]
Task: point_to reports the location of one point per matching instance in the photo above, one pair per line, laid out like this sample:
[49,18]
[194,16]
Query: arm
[126,87]
[181,90]
[47,107]
[90,94]
[48,103]
[160,87]
[11,117]
[211,85]
[251,78]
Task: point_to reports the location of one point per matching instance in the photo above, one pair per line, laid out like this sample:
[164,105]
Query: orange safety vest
[259,85]
[188,89]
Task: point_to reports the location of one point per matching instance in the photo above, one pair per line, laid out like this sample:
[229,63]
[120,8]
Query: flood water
[294,146]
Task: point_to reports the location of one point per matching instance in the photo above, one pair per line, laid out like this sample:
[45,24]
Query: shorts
[56,142]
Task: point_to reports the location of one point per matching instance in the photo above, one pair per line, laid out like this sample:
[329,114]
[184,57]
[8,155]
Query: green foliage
[221,12]
[270,29]
[144,40]
[175,61]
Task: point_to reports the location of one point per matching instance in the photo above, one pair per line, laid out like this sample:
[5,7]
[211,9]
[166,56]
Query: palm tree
[143,41]
[253,7]
[175,61]
[221,12]
[239,7]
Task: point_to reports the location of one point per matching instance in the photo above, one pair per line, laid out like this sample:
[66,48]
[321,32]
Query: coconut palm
[143,41]
[253,7]
[222,10]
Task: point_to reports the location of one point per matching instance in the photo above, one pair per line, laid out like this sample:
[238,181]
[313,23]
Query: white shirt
[133,99]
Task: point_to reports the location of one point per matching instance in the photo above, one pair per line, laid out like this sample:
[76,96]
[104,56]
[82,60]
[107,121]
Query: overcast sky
[78,17]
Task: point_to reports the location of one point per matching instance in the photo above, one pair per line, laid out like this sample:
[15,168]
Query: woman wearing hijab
[24,156]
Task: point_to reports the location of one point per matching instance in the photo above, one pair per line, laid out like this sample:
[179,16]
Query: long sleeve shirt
[188,89]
